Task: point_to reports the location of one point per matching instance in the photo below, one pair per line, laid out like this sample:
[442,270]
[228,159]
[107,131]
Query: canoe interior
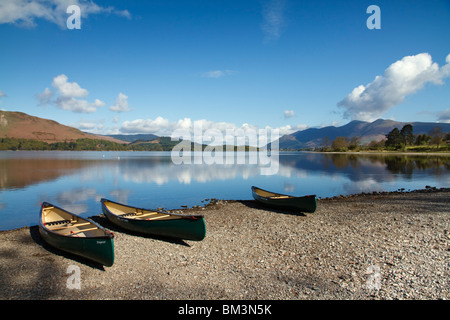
[133,213]
[66,224]
[271,195]
[147,221]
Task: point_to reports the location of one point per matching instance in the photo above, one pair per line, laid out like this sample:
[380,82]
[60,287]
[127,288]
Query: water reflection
[17,173]
[77,180]
[20,173]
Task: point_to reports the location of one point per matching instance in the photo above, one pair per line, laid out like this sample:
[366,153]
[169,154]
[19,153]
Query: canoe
[282,201]
[74,234]
[158,223]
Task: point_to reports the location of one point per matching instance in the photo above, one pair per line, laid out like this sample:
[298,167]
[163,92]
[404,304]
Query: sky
[157,66]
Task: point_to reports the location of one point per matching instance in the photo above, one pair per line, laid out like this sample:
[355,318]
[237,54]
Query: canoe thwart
[71,233]
[54,223]
[127,214]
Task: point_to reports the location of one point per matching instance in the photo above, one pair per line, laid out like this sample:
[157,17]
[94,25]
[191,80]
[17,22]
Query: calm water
[77,180]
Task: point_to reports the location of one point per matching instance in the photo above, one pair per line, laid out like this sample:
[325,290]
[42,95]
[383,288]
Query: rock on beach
[367,246]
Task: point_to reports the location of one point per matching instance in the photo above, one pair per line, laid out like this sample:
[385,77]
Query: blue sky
[155,66]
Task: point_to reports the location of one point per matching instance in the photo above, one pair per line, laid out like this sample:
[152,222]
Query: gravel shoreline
[368,246]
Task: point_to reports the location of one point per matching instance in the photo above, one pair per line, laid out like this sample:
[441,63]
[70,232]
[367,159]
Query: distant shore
[440,153]
[383,245]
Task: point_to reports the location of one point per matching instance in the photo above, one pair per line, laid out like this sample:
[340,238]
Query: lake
[76,181]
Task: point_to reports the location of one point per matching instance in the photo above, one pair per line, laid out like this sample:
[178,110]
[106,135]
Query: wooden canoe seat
[160,217]
[80,231]
[279,197]
[138,215]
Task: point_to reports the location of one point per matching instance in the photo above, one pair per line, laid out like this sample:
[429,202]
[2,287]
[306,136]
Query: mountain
[366,131]
[133,137]
[23,126]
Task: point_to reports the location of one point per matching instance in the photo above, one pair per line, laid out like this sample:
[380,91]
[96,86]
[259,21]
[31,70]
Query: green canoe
[80,236]
[282,201]
[187,227]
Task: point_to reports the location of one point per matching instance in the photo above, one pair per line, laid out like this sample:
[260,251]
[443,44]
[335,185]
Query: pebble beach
[380,246]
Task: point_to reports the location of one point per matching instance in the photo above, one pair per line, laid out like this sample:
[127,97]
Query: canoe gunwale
[254,189]
[186,227]
[183,216]
[42,224]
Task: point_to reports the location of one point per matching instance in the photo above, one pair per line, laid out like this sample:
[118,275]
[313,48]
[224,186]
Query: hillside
[134,137]
[23,126]
[367,131]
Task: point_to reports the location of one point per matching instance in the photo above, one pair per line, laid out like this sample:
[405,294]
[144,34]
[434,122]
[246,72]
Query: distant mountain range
[366,131]
[133,137]
[22,125]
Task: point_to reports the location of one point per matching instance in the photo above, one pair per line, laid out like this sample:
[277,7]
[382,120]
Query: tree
[376,145]
[354,143]
[340,144]
[407,134]
[422,139]
[437,135]
[394,139]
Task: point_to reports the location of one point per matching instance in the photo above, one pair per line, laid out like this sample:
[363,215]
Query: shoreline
[398,239]
[437,153]
[414,153]
[213,202]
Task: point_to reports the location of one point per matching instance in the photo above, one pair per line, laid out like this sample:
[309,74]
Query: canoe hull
[186,228]
[302,204]
[98,249]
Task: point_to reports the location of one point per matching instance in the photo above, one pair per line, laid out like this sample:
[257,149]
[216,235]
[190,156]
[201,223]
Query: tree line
[404,139]
[163,144]
[78,145]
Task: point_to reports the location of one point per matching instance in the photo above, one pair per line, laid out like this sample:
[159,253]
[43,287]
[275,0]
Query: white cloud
[291,129]
[68,98]
[25,12]
[78,106]
[218,73]
[402,78]
[94,126]
[444,116]
[158,126]
[68,89]
[121,104]
[202,130]
[289,114]
[87,126]
[45,97]
[273,20]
